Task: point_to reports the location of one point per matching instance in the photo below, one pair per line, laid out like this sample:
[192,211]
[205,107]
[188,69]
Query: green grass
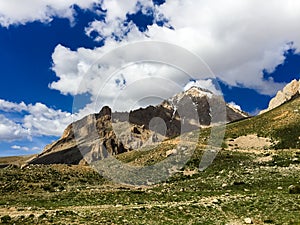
[243,187]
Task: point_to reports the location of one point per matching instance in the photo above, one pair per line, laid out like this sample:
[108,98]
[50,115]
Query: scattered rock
[294,189]
[248,221]
[252,141]
[224,185]
[296,160]
[189,172]
[216,201]
[171,152]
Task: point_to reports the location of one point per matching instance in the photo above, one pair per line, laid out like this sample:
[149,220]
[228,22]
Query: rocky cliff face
[289,92]
[105,133]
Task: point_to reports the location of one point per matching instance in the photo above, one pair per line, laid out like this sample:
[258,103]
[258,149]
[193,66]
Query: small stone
[180,208]
[295,160]
[171,152]
[224,185]
[248,221]
[279,188]
[294,189]
[215,201]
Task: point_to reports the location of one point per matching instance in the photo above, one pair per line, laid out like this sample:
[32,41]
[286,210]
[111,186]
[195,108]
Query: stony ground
[240,187]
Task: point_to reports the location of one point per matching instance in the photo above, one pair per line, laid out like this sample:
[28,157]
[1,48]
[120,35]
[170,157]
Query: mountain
[289,92]
[275,129]
[106,133]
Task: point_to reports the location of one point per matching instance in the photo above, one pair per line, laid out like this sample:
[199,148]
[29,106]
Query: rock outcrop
[99,135]
[289,92]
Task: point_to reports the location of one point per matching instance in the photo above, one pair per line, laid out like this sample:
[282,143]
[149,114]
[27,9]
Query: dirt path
[207,201]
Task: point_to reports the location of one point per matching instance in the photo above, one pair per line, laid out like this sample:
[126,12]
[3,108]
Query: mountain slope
[106,133]
[280,124]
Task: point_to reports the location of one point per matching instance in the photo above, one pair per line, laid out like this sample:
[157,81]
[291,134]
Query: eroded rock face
[100,135]
[290,91]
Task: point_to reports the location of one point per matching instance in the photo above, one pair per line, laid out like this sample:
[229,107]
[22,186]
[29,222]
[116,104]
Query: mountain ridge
[105,133]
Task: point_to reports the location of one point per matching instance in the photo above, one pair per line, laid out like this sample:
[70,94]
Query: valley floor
[239,187]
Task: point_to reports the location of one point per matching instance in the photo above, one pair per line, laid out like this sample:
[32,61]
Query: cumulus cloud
[123,78]
[35,149]
[46,121]
[116,25]
[10,130]
[21,12]
[38,120]
[237,39]
[7,106]
[17,147]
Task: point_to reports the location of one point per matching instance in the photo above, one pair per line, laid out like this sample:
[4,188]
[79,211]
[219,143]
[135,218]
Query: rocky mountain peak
[107,133]
[198,92]
[194,92]
[290,91]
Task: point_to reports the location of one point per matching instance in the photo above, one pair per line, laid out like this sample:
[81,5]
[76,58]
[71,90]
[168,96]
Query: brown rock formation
[290,91]
[99,135]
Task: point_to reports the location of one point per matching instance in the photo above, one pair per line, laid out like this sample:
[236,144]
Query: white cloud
[46,121]
[237,39]
[17,147]
[35,149]
[113,25]
[38,120]
[11,106]
[124,87]
[10,130]
[21,12]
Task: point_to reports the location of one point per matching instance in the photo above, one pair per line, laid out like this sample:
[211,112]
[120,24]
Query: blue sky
[45,55]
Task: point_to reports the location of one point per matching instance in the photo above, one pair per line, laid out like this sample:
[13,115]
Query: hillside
[281,125]
[276,129]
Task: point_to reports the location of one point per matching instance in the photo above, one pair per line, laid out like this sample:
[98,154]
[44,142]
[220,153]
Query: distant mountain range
[106,133]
